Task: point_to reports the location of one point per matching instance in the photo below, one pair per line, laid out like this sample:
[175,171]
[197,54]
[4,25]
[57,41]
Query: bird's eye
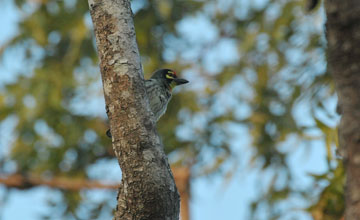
[169,76]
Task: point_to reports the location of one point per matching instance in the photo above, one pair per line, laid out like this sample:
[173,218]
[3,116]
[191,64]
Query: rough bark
[148,190]
[343,35]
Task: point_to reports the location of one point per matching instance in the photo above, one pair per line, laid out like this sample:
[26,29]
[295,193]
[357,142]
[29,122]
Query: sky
[211,197]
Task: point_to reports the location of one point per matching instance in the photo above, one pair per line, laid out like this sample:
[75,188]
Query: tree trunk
[343,35]
[148,189]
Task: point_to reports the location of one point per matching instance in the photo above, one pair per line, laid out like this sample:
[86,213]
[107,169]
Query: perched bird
[159,88]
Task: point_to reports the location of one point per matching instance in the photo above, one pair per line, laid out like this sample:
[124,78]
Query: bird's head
[169,77]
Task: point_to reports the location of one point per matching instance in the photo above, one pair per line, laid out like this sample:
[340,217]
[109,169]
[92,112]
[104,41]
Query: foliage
[252,65]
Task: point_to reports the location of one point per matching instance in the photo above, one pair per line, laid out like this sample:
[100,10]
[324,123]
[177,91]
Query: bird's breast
[159,97]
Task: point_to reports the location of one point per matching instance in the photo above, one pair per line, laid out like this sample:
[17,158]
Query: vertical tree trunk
[343,35]
[182,179]
[148,190]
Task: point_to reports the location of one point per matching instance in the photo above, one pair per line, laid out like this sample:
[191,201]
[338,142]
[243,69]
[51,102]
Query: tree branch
[181,176]
[25,182]
[148,189]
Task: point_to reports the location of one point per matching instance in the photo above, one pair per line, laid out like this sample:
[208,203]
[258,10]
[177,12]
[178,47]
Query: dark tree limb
[148,189]
[343,35]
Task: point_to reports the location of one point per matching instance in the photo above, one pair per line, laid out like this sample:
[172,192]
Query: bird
[159,90]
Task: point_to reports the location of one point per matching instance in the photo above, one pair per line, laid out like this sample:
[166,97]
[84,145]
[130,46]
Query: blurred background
[255,129]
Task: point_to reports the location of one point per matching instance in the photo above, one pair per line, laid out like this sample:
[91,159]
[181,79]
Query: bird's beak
[180,81]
